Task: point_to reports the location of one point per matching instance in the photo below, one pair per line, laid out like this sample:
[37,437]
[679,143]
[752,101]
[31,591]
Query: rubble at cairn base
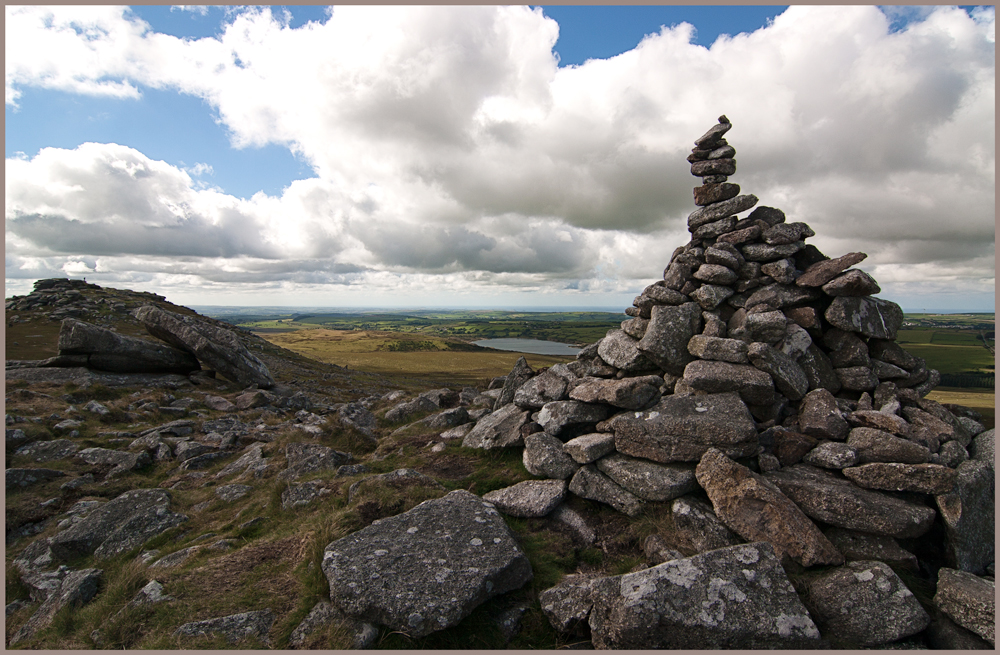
[773,369]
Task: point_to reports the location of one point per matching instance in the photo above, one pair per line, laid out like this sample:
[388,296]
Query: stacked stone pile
[764,375]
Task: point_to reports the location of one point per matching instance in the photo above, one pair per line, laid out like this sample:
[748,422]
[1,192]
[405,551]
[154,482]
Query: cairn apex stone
[714,133]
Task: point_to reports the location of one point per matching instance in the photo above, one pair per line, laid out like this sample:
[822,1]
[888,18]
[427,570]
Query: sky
[495,157]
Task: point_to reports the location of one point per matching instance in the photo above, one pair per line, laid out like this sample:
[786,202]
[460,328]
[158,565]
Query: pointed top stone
[714,133]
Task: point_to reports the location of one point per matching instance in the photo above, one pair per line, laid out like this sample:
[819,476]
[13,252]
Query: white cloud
[447,145]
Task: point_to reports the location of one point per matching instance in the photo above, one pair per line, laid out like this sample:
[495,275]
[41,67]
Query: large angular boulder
[736,597]
[500,429]
[218,348]
[621,351]
[665,341]
[520,374]
[872,317]
[881,608]
[970,601]
[544,456]
[118,525]
[968,514]
[892,476]
[757,510]
[428,568]
[568,603]
[826,497]
[543,388]
[110,351]
[682,428]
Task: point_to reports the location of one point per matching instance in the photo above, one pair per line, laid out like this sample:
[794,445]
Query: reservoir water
[531,346]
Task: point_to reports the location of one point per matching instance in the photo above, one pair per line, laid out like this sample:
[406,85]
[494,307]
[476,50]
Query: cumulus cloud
[448,145]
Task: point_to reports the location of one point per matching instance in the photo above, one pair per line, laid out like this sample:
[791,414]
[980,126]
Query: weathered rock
[557,416]
[657,551]
[682,428]
[787,445]
[324,613]
[219,403]
[251,462]
[306,458]
[754,386]
[881,608]
[761,252]
[500,429]
[356,416]
[852,283]
[620,350]
[783,271]
[234,627]
[736,597]
[822,272]
[531,498]
[714,134]
[856,378]
[667,335]
[175,558]
[662,295]
[22,478]
[970,601]
[710,296]
[118,526]
[646,480]
[541,389]
[568,603]
[873,445]
[428,568]
[862,546]
[544,456]
[398,479]
[872,317]
[590,483]
[755,509]
[447,419]
[869,418]
[831,499]
[968,514]
[216,347]
[893,476]
[697,529]
[590,447]
[408,409]
[123,462]
[714,212]
[768,327]
[787,375]
[818,369]
[232,492]
[983,447]
[713,167]
[718,349]
[109,351]
[77,588]
[831,455]
[47,451]
[628,393]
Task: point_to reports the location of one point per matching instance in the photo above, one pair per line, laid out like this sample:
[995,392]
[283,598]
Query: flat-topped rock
[648,480]
[531,498]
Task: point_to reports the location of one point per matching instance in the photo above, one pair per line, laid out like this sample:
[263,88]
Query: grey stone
[782,271]
[458,432]
[447,419]
[175,558]
[667,335]
[543,388]
[856,378]
[780,295]
[557,416]
[788,377]
[568,603]
[232,492]
[76,588]
[872,317]
[324,613]
[754,386]
[117,353]
[968,514]
[118,526]
[831,455]
[714,229]
[970,601]
[822,272]
[408,409]
[219,403]
[590,447]
[500,429]
[47,451]
[724,254]
[123,462]
[22,478]
[188,449]
[235,627]
[836,501]
[395,479]
[657,551]
[428,568]
[951,454]
[682,428]
[757,510]
[590,483]
[882,609]
[767,327]
[697,528]
[572,520]
[718,349]
[648,480]
[736,597]
[662,295]
[714,212]
[219,348]
[304,458]
[862,546]
[628,393]
[761,252]
[710,296]
[983,447]
[945,634]
[518,375]
[782,234]
[715,274]
[356,416]
[893,476]
[251,462]
[852,283]
[620,350]
[818,369]
[873,445]
[531,498]
[300,495]
[544,456]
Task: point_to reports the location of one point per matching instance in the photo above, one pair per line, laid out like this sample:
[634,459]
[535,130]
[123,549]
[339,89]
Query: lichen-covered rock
[621,351]
[47,451]
[736,597]
[831,455]
[21,478]
[428,568]
[500,429]
[872,317]
[697,529]
[968,513]
[754,386]
[559,415]
[881,608]
[755,509]
[77,587]
[969,600]
[531,498]
[568,603]
[109,351]
[306,458]
[629,393]
[118,526]
[666,337]
[518,375]
[234,627]
[682,428]
[893,476]
[648,480]
[590,483]
[543,388]
[590,447]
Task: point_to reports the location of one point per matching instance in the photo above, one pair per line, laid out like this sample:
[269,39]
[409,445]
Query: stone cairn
[766,374]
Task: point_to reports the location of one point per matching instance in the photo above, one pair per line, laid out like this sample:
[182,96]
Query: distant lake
[531,346]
